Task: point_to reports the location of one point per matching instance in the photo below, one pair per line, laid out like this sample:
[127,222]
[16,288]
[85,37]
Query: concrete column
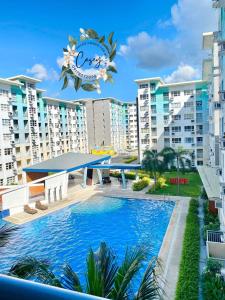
[124,184]
[85,178]
[24,177]
[136,175]
[100,176]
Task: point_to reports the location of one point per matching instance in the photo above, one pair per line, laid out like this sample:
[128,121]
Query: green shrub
[213,282]
[141,184]
[188,280]
[130,159]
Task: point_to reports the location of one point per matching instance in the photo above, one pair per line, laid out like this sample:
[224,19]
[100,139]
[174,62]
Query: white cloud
[148,51]
[189,19]
[183,73]
[39,71]
[60,61]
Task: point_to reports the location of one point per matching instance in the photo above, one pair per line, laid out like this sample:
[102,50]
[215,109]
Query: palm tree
[104,277]
[6,233]
[153,163]
[180,157]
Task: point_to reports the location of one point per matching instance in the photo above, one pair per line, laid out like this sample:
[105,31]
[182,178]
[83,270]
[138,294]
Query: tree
[153,163]
[104,277]
[180,157]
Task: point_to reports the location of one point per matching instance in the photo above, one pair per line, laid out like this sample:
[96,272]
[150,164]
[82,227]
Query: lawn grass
[192,189]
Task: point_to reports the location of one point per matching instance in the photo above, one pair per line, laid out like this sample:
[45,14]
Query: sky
[154,38]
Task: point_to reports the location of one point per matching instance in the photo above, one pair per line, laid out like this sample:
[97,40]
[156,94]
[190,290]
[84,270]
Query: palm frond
[32,268]
[5,233]
[107,267]
[93,278]
[149,288]
[101,271]
[70,279]
[127,272]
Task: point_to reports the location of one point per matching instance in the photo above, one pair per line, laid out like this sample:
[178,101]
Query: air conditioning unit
[13,143]
[173,133]
[14,171]
[219,172]
[222,95]
[192,132]
[14,157]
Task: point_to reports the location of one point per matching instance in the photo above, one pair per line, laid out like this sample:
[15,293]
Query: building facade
[131,126]
[34,128]
[108,124]
[173,115]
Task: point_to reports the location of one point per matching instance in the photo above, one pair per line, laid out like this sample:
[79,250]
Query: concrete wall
[216,250]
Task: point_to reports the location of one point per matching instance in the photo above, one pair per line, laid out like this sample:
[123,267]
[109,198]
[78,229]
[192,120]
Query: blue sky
[155,38]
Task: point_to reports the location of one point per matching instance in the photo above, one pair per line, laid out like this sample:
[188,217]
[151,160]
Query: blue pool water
[67,235]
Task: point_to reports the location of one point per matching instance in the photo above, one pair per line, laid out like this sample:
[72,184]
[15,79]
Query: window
[33,123]
[198,92]
[175,94]
[8,151]
[0,167]
[144,97]
[4,107]
[10,180]
[189,128]
[188,92]
[199,117]
[189,140]
[143,86]
[1,181]
[153,109]
[153,120]
[153,98]
[4,93]
[9,165]
[176,105]
[176,140]
[200,163]
[144,108]
[145,141]
[5,122]
[7,137]
[199,104]
[154,141]
[188,104]
[188,116]
[166,96]
[144,130]
[176,129]
[152,86]
[176,117]
[144,119]
[166,107]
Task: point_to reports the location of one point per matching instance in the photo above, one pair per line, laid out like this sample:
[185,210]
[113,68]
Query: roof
[210,180]
[69,162]
[111,99]
[10,82]
[71,102]
[149,79]
[24,77]
[118,166]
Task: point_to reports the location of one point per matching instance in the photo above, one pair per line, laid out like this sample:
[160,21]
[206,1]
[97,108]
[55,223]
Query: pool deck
[170,252]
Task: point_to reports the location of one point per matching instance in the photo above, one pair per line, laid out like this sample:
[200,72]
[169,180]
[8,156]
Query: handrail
[19,289]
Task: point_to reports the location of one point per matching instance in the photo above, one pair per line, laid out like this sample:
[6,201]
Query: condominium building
[173,115]
[34,128]
[131,126]
[108,122]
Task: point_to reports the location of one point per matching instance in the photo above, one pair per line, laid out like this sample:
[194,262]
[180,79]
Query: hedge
[141,184]
[130,159]
[188,280]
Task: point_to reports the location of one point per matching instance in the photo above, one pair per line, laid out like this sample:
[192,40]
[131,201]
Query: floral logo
[89,60]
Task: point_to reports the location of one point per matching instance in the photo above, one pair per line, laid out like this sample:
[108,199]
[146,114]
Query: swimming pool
[68,234]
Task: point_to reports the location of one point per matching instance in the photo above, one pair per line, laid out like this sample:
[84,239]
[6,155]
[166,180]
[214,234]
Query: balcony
[14,288]
[215,244]
[218,3]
